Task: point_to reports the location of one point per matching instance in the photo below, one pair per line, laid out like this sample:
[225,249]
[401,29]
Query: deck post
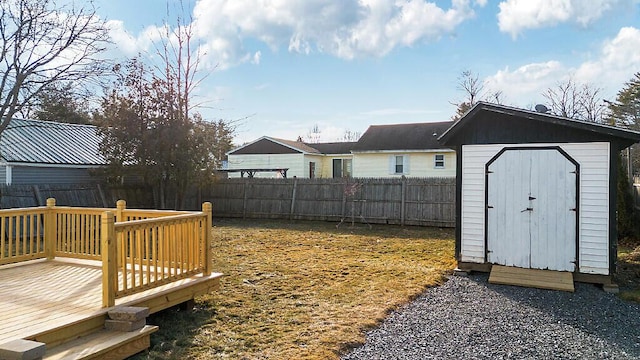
[50,229]
[109,252]
[121,206]
[207,209]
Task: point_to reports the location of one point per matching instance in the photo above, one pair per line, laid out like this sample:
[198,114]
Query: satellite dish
[541,108]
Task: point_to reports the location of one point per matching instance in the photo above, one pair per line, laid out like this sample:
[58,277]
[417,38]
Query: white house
[383,151]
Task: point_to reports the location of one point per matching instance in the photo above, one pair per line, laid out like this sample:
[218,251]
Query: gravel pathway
[468,318]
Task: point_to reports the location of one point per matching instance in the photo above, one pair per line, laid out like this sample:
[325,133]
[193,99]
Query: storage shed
[536,191]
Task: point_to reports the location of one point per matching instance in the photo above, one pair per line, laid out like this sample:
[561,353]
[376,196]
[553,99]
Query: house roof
[334,147]
[419,136]
[270,145]
[47,142]
[502,115]
[299,145]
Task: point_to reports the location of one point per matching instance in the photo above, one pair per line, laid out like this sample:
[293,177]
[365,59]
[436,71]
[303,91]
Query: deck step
[542,279]
[104,344]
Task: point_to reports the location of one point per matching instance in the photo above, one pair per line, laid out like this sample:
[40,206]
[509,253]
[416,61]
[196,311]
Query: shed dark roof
[47,142]
[492,123]
[419,136]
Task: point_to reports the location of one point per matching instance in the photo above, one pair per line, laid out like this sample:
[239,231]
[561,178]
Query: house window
[312,170]
[438,161]
[341,168]
[399,164]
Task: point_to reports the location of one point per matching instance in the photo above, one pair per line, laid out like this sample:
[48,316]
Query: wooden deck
[54,301]
[62,269]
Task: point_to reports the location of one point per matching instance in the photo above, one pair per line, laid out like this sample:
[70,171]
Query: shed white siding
[593,195]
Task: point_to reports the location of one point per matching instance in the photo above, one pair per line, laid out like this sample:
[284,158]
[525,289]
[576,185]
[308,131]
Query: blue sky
[284,66]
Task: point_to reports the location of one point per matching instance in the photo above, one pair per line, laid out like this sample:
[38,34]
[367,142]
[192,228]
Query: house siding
[294,162]
[28,175]
[327,164]
[420,164]
[593,222]
[319,160]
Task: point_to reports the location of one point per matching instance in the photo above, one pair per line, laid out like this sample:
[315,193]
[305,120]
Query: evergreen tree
[60,103]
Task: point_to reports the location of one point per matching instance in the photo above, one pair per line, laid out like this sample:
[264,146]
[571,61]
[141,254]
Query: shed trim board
[592,219]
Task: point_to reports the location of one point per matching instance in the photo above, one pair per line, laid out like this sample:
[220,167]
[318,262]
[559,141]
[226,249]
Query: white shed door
[531,210]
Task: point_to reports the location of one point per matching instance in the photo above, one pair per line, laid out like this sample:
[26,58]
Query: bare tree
[564,99]
[152,124]
[576,101]
[474,91]
[313,136]
[591,103]
[43,44]
[350,135]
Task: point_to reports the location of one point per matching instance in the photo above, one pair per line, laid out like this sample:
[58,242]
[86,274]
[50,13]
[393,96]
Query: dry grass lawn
[302,290]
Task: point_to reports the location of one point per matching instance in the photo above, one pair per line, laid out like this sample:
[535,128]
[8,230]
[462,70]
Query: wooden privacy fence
[139,249]
[408,201]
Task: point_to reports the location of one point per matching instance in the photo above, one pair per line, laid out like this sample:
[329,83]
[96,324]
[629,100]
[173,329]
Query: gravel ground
[468,318]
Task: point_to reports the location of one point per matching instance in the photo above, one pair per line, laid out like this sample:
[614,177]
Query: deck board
[41,295]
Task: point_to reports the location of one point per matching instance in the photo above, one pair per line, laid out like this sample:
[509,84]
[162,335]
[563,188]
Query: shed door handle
[531,198]
[527,209]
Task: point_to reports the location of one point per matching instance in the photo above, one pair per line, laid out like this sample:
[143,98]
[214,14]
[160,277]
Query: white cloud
[119,35]
[526,82]
[516,16]
[347,28]
[399,112]
[616,63]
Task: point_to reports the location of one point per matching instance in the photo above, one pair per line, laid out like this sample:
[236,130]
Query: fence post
[109,253]
[244,201]
[121,206]
[207,209]
[50,228]
[403,204]
[293,197]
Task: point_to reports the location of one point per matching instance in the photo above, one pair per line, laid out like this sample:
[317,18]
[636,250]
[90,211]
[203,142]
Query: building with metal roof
[43,152]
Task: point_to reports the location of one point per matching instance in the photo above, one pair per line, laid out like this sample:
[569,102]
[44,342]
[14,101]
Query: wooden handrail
[165,219]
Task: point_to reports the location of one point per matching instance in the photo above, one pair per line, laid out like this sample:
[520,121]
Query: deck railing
[154,251]
[22,235]
[139,249]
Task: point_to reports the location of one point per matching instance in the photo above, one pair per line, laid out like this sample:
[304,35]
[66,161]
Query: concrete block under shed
[20,349]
